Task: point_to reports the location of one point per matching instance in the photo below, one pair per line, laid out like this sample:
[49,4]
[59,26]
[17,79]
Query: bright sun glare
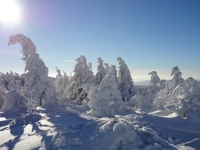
[9,11]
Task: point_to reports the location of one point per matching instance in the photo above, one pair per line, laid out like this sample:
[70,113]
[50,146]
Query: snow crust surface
[71,127]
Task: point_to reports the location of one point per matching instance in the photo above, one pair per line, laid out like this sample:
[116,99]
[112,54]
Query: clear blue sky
[148,34]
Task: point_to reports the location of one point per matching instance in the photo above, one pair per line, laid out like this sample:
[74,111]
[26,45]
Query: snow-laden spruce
[126,84]
[82,78]
[177,77]
[100,71]
[107,68]
[154,81]
[106,99]
[36,72]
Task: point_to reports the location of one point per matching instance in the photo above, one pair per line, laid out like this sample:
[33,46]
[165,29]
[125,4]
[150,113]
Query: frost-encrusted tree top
[28,47]
[125,80]
[31,58]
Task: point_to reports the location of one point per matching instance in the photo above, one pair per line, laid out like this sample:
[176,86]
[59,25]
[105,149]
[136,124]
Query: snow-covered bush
[2,93]
[164,99]
[126,84]
[100,71]
[188,95]
[35,70]
[8,77]
[177,95]
[106,99]
[14,97]
[51,96]
[139,101]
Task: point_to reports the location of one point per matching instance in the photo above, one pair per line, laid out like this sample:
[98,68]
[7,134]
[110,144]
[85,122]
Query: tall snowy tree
[82,73]
[91,72]
[177,77]
[154,81]
[82,76]
[35,70]
[65,80]
[113,70]
[107,68]
[126,84]
[100,71]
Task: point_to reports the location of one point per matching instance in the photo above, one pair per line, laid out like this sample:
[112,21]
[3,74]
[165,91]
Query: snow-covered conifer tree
[113,70]
[107,68]
[91,72]
[59,84]
[126,84]
[65,80]
[82,76]
[82,73]
[59,80]
[177,79]
[2,92]
[35,69]
[100,71]
[59,73]
[154,81]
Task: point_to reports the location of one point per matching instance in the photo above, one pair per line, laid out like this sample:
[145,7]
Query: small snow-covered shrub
[2,96]
[139,101]
[106,100]
[189,98]
[13,100]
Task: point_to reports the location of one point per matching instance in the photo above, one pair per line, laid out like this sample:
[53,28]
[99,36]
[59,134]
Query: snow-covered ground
[70,127]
